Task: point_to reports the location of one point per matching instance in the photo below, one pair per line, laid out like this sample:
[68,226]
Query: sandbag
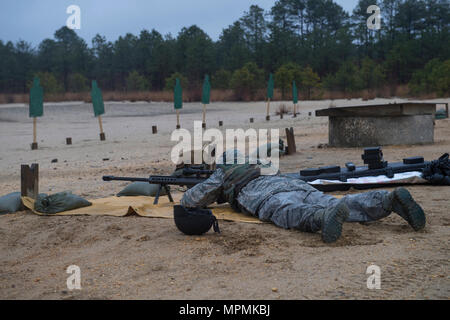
[59,202]
[141,189]
[10,203]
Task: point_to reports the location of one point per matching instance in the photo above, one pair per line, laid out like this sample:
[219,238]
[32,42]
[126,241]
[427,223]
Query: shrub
[285,75]
[170,81]
[434,77]
[247,80]
[78,83]
[48,82]
[346,78]
[221,79]
[310,80]
[372,75]
[136,82]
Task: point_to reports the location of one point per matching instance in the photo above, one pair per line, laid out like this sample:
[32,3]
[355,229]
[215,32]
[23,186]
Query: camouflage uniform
[289,202]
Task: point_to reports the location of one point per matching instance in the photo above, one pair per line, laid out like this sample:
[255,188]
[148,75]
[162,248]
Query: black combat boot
[332,222]
[402,203]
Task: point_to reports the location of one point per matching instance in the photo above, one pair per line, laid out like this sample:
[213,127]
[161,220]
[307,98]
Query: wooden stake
[102,134]
[178,119]
[290,141]
[204,113]
[268,108]
[34,145]
[34,130]
[295,110]
[29,180]
[100,123]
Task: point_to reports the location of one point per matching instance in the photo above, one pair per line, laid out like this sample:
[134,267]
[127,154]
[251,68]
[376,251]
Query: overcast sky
[35,20]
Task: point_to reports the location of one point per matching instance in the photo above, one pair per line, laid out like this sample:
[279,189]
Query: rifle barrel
[163,180]
[133,179]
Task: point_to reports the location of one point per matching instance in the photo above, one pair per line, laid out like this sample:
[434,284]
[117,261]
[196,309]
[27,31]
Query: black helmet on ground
[194,221]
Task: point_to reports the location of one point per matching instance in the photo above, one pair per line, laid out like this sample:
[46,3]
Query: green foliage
[434,77]
[78,83]
[232,49]
[351,78]
[49,83]
[309,81]
[371,74]
[441,79]
[254,27]
[221,79]
[247,80]
[67,55]
[285,75]
[346,78]
[170,81]
[337,45]
[136,82]
[194,53]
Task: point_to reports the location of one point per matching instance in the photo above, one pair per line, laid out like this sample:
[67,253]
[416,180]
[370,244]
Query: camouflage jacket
[250,198]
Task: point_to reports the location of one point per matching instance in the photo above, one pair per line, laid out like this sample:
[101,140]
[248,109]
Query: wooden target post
[268,110]
[204,117]
[34,145]
[102,133]
[291,147]
[29,180]
[99,107]
[206,94]
[178,119]
[294,98]
[270,86]
[178,100]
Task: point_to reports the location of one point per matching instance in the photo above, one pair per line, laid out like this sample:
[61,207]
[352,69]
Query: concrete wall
[380,131]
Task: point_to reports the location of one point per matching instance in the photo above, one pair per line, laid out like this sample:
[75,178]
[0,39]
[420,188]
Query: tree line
[314,42]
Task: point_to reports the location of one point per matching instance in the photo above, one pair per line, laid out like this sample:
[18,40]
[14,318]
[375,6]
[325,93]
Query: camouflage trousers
[301,208]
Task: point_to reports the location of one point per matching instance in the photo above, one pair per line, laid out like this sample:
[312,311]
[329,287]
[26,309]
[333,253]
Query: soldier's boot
[332,222]
[401,202]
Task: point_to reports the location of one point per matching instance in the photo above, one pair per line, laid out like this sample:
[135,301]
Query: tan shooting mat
[142,206]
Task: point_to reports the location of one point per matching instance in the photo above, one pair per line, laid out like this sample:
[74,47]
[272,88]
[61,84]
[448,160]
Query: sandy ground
[132,257]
